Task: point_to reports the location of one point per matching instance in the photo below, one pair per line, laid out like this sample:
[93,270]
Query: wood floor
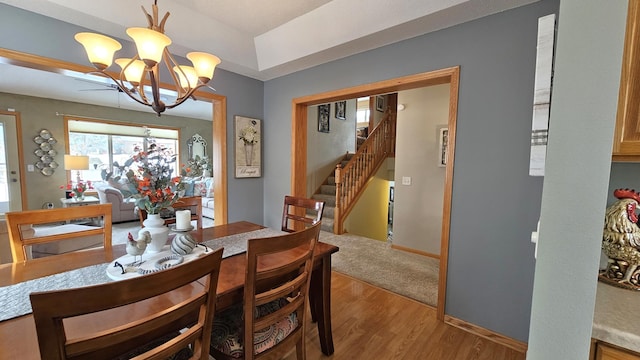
[372,323]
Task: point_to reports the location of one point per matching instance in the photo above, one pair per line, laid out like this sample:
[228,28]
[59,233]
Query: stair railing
[352,179]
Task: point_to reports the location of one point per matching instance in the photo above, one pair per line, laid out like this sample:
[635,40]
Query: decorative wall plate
[53,165]
[41,165]
[38,139]
[45,134]
[47,171]
[52,152]
[45,146]
[52,141]
[39,152]
[46,159]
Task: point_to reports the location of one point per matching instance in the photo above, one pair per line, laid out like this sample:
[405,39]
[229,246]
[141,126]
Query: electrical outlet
[30,168]
[406,180]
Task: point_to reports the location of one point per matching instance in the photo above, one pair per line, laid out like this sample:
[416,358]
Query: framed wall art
[443,139]
[248,144]
[379,103]
[323,117]
[341,110]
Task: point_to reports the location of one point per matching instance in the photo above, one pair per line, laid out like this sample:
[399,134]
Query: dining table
[18,339]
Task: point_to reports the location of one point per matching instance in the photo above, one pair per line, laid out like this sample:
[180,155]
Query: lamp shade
[187,76]
[133,70]
[99,48]
[76,162]
[204,64]
[150,44]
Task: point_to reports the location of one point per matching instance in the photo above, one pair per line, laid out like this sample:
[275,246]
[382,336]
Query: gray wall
[583,112]
[496,204]
[324,150]
[40,35]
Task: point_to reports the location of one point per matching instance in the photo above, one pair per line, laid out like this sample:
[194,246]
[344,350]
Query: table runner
[14,299]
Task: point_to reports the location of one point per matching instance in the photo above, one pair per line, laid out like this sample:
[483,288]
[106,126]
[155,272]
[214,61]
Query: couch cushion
[209,182]
[188,186]
[200,188]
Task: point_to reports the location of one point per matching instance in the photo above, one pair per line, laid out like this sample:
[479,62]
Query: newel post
[336,212]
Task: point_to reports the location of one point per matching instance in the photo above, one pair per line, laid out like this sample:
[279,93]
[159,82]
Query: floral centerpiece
[77,190]
[151,174]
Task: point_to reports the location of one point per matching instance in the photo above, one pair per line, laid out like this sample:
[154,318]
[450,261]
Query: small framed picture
[379,103]
[443,139]
[323,117]
[341,110]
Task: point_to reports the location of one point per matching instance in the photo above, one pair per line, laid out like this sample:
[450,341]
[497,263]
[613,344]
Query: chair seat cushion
[227,337]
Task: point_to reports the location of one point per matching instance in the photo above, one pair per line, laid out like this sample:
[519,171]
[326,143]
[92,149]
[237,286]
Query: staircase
[327,193]
[342,188]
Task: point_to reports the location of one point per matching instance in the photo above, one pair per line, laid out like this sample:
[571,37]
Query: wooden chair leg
[301,353]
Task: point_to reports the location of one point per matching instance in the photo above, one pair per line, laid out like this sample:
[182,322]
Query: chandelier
[143,68]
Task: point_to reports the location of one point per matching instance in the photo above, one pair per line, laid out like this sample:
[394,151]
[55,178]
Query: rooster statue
[136,247]
[621,241]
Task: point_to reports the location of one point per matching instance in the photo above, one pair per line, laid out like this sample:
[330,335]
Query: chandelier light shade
[143,69]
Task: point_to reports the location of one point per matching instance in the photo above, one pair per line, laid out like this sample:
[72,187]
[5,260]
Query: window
[106,143]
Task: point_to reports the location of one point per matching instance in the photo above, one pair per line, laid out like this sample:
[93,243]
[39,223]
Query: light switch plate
[406,180]
[30,168]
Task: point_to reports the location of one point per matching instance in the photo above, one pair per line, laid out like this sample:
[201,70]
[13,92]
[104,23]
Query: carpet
[372,261]
[375,262]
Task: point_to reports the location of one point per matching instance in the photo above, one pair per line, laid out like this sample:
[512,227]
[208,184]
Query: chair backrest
[24,232]
[158,334]
[192,203]
[269,280]
[299,213]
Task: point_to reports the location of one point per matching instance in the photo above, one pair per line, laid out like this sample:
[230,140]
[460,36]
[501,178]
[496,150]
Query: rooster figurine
[136,247]
[621,241]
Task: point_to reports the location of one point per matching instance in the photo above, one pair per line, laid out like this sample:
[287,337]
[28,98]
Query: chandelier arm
[187,96]
[141,92]
[170,62]
[120,85]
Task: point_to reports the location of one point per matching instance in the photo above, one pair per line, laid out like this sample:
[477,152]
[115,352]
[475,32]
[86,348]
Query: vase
[183,244]
[80,196]
[154,224]
[248,153]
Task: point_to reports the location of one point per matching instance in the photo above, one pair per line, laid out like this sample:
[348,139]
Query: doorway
[299,143]
[12,198]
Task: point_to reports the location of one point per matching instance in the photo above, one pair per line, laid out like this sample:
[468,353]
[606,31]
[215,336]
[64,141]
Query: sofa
[122,209]
[200,186]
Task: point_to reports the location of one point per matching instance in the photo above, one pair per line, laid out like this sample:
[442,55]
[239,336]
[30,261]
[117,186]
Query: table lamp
[76,162]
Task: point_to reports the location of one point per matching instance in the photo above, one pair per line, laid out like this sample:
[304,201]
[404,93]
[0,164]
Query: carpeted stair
[327,193]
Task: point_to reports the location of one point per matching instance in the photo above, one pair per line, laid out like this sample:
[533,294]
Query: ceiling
[268,39]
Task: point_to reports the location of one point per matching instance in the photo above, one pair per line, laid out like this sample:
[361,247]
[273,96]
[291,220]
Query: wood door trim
[219,158]
[299,143]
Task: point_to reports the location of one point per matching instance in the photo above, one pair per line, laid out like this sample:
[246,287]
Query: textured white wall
[583,111]
[418,207]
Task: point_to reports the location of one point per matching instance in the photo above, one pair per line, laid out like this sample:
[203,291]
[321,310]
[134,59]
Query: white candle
[183,219]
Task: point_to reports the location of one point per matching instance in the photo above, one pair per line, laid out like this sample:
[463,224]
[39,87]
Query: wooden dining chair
[35,233]
[192,203]
[175,326]
[299,212]
[275,294]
